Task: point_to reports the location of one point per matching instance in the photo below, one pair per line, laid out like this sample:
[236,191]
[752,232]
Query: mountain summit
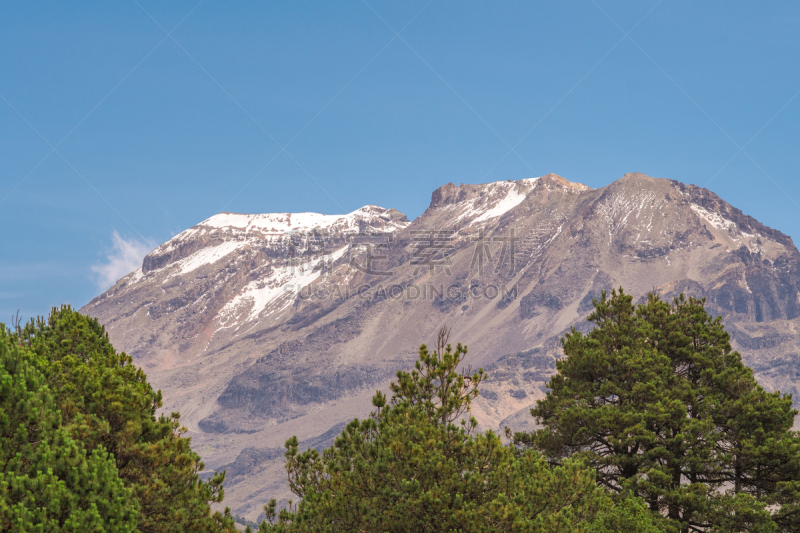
[258,327]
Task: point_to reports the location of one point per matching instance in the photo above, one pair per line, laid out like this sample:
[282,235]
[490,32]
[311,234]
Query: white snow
[242,230]
[715,219]
[136,275]
[513,193]
[272,222]
[511,200]
[207,256]
[281,287]
[281,223]
[620,207]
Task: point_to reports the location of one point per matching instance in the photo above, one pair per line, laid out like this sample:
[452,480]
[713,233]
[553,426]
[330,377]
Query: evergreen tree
[48,482]
[629,515]
[418,464]
[657,402]
[106,404]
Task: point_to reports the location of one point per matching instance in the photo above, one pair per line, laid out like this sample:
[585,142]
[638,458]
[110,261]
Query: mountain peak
[454,205]
[227,233]
[559,181]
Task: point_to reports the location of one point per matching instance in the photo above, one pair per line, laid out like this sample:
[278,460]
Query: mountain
[259,327]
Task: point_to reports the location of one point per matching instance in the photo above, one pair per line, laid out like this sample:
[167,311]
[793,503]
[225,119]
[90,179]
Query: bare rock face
[259,327]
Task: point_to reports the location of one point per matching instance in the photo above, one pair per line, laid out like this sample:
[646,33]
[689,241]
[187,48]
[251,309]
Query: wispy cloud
[123,258]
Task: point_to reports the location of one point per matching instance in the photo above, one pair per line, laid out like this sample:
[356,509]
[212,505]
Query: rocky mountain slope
[259,327]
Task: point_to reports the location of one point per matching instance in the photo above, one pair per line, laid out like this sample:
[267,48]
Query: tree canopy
[48,481]
[661,407]
[418,464]
[89,417]
[652,423]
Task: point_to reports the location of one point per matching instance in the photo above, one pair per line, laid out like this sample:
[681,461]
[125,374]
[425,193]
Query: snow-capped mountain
[259,327]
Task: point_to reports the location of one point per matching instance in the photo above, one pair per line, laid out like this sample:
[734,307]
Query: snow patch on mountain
[135,276]
[275,222]
[715,219]
[283,223]
[274,226]
[207,256]
[241,230]
[499,198]
[513,198]
[275,291]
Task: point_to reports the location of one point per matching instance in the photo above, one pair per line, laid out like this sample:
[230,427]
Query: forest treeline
[652,423]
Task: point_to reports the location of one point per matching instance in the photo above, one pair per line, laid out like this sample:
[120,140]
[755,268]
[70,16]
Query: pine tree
[657,402]
[48,481]
[418,464]
[107,404]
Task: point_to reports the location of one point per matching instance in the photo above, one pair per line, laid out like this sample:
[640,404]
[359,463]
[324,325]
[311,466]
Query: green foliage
[630,515]
[106,405]
[652,424]
[48,482]
[656,401]
[417,464]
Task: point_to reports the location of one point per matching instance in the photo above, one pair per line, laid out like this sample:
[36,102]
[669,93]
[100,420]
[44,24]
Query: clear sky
[126,122]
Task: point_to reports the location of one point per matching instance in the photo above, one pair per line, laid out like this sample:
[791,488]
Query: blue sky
[165,113]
